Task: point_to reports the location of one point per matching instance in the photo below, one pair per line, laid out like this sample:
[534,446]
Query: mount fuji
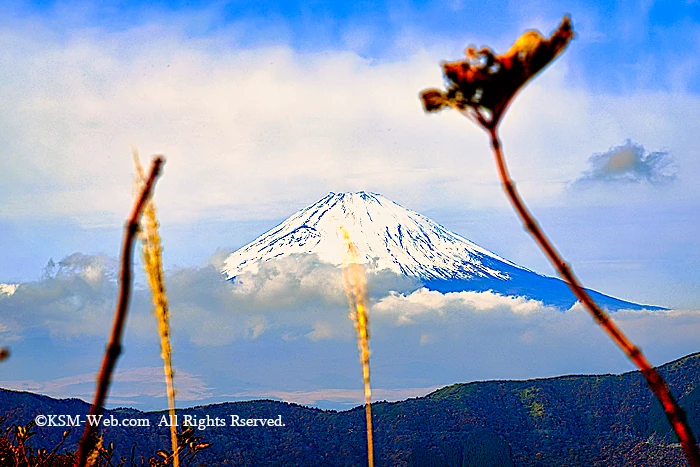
[389,236]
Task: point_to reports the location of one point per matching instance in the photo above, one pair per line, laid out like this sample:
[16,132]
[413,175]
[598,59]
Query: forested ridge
[563,421]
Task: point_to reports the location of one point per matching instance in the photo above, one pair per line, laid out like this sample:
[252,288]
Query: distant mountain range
[598,420]
[392,237]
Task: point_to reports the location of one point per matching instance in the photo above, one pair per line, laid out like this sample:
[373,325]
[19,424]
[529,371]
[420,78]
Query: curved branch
[674,413]
[114,349]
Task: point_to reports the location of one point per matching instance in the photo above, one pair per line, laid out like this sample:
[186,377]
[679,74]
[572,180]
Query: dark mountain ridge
[566,420]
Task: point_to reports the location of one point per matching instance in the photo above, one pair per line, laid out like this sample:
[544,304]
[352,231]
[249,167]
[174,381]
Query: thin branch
[488,82]
[87,442]
[55,449]
[674,413]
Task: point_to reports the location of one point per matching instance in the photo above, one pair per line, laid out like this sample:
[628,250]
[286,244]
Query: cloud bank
[255,131]
[76,297]
[284,333]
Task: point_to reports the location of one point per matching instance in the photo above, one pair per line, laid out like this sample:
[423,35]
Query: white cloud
[249,122]
[75,297]
[297,295]
[299,326]
[8,289]
[260,132]
[406,307]
[487,335]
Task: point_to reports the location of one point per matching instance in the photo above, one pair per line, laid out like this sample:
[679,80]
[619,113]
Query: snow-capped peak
[387,235]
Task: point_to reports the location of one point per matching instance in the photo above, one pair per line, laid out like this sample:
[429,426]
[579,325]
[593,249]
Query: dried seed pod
[484,83]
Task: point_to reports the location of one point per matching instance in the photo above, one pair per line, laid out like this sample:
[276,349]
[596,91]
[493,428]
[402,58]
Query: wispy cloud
[128,384]
[630,162]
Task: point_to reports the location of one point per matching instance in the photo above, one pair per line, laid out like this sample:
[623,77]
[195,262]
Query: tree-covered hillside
[564,421]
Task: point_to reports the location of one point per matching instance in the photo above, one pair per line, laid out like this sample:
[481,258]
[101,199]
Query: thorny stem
[674,413]
[87,442]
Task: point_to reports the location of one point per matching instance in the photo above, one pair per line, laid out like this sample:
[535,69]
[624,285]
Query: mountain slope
[568,420]
[389,236]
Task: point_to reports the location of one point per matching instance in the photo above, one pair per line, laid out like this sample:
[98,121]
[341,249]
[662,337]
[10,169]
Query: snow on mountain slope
[388,236]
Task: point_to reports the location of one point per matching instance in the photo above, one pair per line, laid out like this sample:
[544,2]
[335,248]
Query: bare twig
[481,87]
[87,442]
[55,449]
[674,413]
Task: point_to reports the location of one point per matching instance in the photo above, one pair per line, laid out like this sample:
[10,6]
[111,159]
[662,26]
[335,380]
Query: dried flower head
[483,85]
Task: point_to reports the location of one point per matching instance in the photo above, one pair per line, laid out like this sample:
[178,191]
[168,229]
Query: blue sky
[263,108]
